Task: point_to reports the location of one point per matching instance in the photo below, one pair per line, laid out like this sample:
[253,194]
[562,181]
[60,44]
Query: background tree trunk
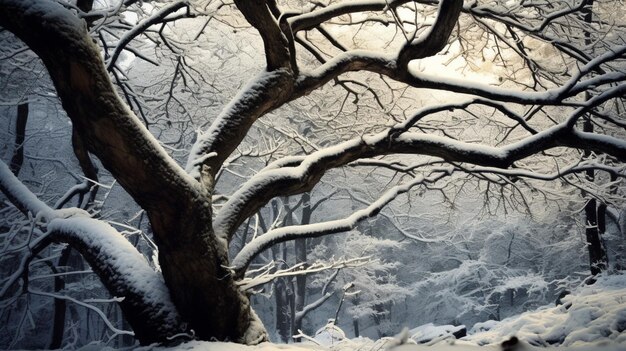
[300,246]
[20,135]
[597,254]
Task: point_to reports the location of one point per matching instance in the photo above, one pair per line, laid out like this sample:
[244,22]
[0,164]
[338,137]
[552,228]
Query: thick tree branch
[437,36]
[122,269]
[179,207]
[282,234]
[272,89]
[277,44]
[297,178]
[264,93]
[107,127]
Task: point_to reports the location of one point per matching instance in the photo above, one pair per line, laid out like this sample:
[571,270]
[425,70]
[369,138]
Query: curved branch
[122,269]
[19,195]
[437,36]
[278,235]
[275,87]
[297,178]
[361,60]
[107,127]
[157,18]
[314,18]
[263,93]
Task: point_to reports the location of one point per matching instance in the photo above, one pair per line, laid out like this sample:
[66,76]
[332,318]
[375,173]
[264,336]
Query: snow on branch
[578,167]
[282,234]
[19,195]
[391,66]
[316,17]
[268,272]
[303,173]
[74,62]
[124,271]
[159,17]
[418,115]
[262,94]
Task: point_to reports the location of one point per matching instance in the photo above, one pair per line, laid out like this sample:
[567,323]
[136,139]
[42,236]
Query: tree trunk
[283,313]
[20,135]
[58,327]
[300,246]
[192,259]
[597,254]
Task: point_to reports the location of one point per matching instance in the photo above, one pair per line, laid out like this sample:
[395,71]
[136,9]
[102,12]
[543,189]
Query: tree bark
[193,261]
[597,254]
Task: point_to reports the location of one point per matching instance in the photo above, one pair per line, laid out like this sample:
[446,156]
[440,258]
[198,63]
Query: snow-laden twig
[98,311]
[159,17]
[268,273]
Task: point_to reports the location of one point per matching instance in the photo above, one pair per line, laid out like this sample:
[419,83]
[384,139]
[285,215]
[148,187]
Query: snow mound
[593,313]
[329,335]
[430,332]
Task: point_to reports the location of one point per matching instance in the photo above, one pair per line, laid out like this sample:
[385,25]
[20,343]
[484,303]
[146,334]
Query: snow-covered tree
[546,68]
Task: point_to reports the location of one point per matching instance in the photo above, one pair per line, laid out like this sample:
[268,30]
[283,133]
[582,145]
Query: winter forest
[312,175]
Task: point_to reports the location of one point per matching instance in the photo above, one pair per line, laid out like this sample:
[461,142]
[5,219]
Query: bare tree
[535,123]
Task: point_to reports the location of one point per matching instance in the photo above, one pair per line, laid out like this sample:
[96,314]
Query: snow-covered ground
[592,313]
[592,317]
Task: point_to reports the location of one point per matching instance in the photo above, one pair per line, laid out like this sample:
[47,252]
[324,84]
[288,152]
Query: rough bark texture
[179,208]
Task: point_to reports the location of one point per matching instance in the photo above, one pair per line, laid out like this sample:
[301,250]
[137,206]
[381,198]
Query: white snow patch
[429,332]
[593,313]
[329,335]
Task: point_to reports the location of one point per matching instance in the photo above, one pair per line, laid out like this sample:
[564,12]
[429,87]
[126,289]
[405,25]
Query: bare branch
[158,17]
